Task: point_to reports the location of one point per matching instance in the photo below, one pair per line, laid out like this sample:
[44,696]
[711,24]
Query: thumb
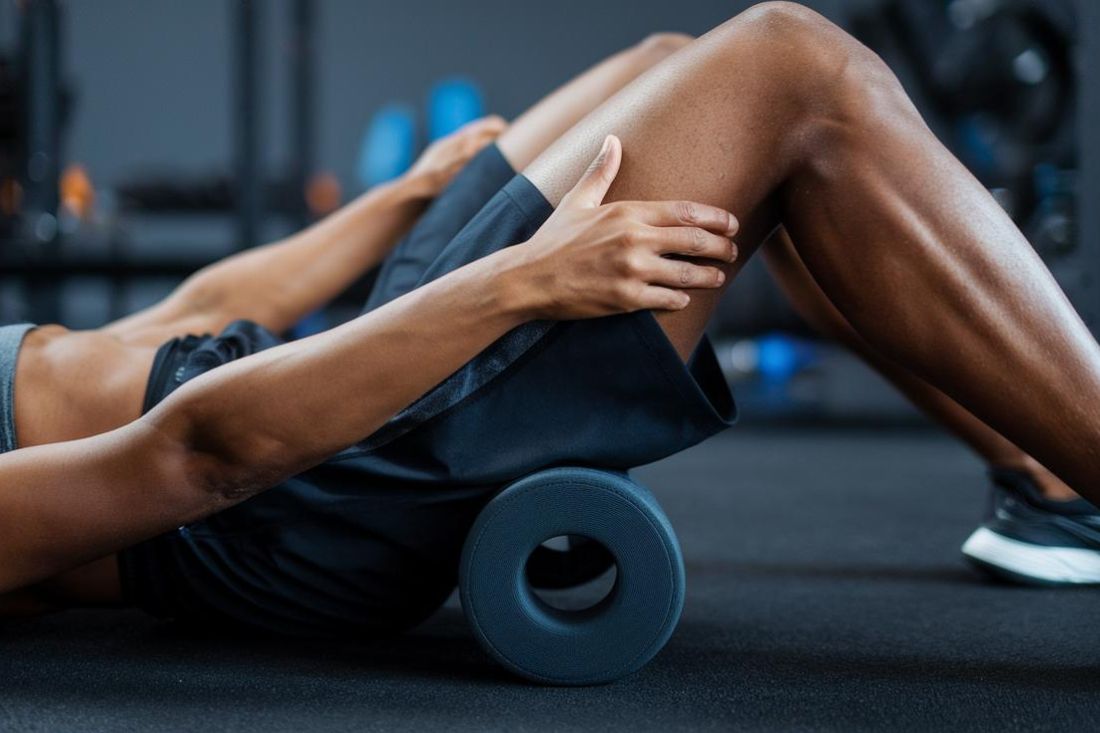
[596,181]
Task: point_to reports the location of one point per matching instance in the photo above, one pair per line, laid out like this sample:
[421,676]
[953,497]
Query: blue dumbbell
[389,146]
[452,103]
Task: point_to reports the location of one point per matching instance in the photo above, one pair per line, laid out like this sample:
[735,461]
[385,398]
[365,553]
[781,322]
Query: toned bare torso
[73,384]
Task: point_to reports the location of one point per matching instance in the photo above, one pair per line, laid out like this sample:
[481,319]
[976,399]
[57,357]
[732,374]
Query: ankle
[1049,485]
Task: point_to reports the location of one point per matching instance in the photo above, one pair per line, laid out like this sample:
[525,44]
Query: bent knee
[663,43]
[780,16]
[809,40]
[835,75]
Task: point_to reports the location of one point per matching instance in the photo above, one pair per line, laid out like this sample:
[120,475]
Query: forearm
[276,285]
[65,504]
[279,412]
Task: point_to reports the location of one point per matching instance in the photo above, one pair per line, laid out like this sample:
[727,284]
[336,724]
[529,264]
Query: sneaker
[1031,540]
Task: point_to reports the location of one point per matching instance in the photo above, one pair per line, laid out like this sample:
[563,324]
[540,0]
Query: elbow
[217,460]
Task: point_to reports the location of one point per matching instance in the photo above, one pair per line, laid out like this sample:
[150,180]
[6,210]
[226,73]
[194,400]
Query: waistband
[11,339]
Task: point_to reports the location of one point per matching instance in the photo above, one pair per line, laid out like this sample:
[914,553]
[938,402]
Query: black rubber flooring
[825,592]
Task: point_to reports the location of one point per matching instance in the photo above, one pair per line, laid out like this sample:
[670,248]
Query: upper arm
[64,504]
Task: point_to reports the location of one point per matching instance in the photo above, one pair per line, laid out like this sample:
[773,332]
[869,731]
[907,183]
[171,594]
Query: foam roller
[600,644]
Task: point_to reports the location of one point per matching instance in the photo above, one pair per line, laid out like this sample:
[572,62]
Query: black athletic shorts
[369,541]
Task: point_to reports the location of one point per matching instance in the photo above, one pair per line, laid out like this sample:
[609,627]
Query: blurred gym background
[140,140]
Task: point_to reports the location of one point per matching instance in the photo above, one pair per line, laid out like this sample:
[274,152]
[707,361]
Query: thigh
[803,293]
[722,122]
[524,139]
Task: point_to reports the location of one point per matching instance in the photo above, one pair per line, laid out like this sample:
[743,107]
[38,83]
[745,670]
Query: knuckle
[596,167]
[633,265]
[618,211]
[698,240]
[624,293]
[685,211]
[686,273]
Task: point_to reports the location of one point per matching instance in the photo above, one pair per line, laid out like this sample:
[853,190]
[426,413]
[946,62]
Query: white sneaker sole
[1068,565]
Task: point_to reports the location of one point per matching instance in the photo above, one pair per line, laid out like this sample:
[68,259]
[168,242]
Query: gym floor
[825,592]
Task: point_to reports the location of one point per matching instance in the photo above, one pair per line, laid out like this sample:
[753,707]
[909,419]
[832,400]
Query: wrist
[395,195]
[513,284]
[414,186]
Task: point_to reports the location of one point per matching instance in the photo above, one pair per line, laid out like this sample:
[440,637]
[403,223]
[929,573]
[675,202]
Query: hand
[444,158]
[592,259]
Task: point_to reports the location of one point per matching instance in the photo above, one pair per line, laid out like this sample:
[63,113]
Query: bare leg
[538,127]
[781,117]
[819,312]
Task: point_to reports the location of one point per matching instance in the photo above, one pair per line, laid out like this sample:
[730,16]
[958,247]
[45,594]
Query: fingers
[483,131]
[683,274]
[652,297]
[596,181]
[490,124]
[690,242]
[666,281]
[489,127]
[474,144]
[683,213]
[473,136]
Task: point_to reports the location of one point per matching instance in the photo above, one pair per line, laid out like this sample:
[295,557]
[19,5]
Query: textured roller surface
[825,592]
[612,639]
